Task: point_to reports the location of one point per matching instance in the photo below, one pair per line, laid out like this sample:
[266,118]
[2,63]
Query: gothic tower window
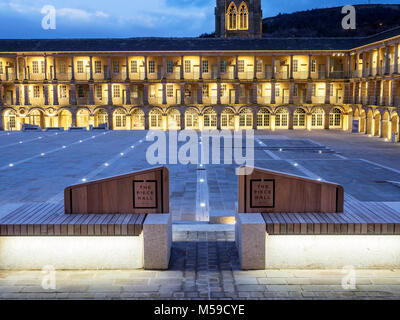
[232,17]
[243,17]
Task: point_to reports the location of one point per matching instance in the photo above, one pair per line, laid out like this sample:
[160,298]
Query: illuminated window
[42,68]
[1,67]
[99,92]
[223,66]
[170,66]
[231,17]
[317,119]
[246,118]
[135,91]
[120,119]
[115,66]
[170,91]
[206,90]
[277,90]
[299,119]
[81,92]
[335,118]
[282,118]
[188,66]
[35,67]
[210,118]
[36,92]
[243,17]
[313,90]
[263,118]
[63,92]
[223,90]
[313,65]
[79,65]
[205,66]
[134,66]
[295,65]
[152,66]
[97,66]
[331,89]
[117,91]
[259,66]
[63,67]
[240,65]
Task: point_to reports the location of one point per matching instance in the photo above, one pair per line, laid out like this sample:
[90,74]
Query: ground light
[11,165]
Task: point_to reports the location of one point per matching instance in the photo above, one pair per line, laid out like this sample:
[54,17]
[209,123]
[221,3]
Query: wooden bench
[47,219]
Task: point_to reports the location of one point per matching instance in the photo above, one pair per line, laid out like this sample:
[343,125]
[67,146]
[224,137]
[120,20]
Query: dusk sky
[130,18]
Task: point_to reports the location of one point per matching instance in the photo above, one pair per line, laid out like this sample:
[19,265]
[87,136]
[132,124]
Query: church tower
[238,18]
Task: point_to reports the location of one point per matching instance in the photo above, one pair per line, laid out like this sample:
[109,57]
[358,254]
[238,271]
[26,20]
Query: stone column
[91,68]
[201,67]
[346,66]
[110,120]
[16,68]
[200,93]
[327,93]
[273,87]
[55,94]
[328,61]
[364,64]
[290,125]
[218,120]
[54,68]
[218,93]
[45,67]
[309,92]
[386,60]
[17,99]
[237,92]
[164,68]
[46,94]
[182,71]
[236,68]
[273,67]
[309,66]
[110,100]
[128,94]
[254,94]
[145,67]
[351,66]
[396,59]
[255,68]
[127,68]
[382,102]
[182,93]
[291,67]
[72,69]
[91,94]
[378,64]
[326,120]
[73,114]
[392,90]
[370,63]
[146,121]
[25,69]
[164,93]
[109,68]
[146,94]
[73,94]
[26,95]
[219,68]
[291,93]
[182,122]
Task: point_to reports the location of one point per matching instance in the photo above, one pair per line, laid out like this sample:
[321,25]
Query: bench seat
[48,219]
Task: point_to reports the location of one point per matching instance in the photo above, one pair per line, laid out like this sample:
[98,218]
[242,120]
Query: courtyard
[37,166]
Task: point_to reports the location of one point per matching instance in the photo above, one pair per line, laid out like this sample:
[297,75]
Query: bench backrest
[263,191]
[144,191]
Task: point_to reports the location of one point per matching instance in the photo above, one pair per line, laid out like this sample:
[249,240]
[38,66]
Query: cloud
[79,14]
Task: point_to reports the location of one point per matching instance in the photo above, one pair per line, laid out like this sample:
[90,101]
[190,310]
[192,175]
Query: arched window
[174,119]
[335,118]
[102,117]
[120,119]
[138,119]
[227,119]
[191,119]
[246,119]
[263,118]
[231,16]
[317,119]
[282,118]
[210,119]
[155,119]
[243,17]
[299,119]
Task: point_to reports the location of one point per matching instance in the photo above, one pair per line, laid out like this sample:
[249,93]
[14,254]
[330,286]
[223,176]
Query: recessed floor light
[64,147]
[201,180]
[106,164]
[202,205]
[122,154]
[42,154]
[11,165]
[295,164]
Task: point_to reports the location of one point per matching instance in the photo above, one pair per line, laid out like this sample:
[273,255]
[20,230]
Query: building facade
[236,80]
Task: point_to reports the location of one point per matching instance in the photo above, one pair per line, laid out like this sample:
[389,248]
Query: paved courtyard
[36,167]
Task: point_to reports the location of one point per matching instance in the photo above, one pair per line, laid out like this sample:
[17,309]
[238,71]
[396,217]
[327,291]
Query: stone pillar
[309,93]
[273,87]
[200,93]
[218,93]
[370,63]
[328,67]
[327,93]
[254,94]
[237,92]
[291,120]
[182,122]
[110,120]
[378,64]
[364,64]
[54,68]
[326,120]
[164,68]
[350,75]
[91,68]
[73,115]
[291,67]
[236,68]
[91,94]
[17,98]
[291,93]
[46,94]
[73,94]
[182,93]
[127,68]
[273,67]
[26,95]
[255,68]
[16,68]
[72,69]
[392,90]
[146,94]
[164,93]
[386,60]
[109,68]
[45,67]
[182,71]
[219,68]
[55,94]
[346,65]
[1,96]
[309,66]
[110,100]
[201,67]
[146,121]
[145,67]
[382,102]
[396,59]
[218,121]
[128,94]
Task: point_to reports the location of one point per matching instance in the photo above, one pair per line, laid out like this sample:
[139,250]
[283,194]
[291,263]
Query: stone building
[237,80]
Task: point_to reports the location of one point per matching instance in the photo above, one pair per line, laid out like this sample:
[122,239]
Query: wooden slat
[139,224]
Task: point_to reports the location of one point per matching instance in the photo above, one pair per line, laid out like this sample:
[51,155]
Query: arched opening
[210,119]
[263,119]
[174,119]
[386,132]
[395,123]
[119,119]
[362,121]
[243,17]
[299,119]
[82,118]
[317,118]
[101,118]
[191,119]
[231,17]
[138,119]
[155,119]
[65,119]
[228,119]
[10,120]
[246,119]
[282,119]
[335,119]
[377,124]
[36,118]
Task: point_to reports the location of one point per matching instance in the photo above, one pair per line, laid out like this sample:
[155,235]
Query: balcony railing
[282,75]
[321,75]
[9,76]
[229,75]
[173,75]
[137,75]
[318,99]
[64,76]
[192,75]
[264,100]
[336,75]
[82,76]
[136,100]
[268,75]
[82,101]
[190,100]
[299,100]
[302,75]
[246,75]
